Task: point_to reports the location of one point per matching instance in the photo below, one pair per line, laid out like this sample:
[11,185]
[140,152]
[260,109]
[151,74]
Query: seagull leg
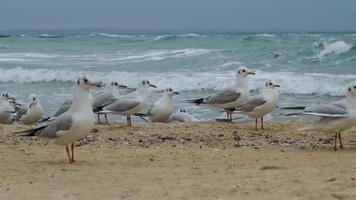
[129,121]
[256,121]
[336,139]
[70,160]
[72,152]
[340,141]
[106,118]
[262,123]
[99,118]
[231,116]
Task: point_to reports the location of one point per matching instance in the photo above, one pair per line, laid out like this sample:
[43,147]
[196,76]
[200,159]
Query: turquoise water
[310,67]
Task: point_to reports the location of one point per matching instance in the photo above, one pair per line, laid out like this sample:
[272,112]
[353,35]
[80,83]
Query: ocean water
[311,68]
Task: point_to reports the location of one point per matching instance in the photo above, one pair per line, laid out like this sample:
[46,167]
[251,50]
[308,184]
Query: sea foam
[337,47]
[291,83]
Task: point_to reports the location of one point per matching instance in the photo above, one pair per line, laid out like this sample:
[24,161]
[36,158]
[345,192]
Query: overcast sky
[245,15]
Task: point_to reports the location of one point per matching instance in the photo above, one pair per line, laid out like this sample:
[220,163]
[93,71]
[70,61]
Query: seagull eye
[85,80]
[116,84]
[170,90]
[270,83]
[355,87]
[243,70]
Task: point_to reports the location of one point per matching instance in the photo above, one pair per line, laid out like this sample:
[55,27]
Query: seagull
[231,97]
[34,111]
[106,97]
[162,109]
[132,103]
[335,117]
[6,109]
[181,115]
[72,125]
[261,105]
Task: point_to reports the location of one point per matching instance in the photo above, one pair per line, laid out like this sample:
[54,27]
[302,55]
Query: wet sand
[181,161]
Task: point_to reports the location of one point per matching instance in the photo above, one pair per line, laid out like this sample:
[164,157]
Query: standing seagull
[162,109]
[72,125]
[34,111]
[106,97]
[335,117]
[259,106]
[132,103]
[229,98]
[6,109]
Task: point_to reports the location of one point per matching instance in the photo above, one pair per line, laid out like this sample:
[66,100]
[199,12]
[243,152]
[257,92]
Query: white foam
[291,83]
[337,47]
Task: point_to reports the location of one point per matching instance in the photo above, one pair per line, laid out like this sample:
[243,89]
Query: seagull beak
[95,84]
[176,92]
[276,85]
[122,86]
[153,86]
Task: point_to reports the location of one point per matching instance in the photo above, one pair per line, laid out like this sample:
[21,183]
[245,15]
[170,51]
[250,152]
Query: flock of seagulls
[75,118]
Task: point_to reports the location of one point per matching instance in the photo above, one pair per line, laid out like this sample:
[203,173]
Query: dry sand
[181,161]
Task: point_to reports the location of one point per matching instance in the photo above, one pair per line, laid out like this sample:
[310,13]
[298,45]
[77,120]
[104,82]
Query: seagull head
[351,91]
[33,98]
[115,85]
[271,85]
[6,96]
[146,84]
[170,92]
[182,110]
[83,82]
[244,72]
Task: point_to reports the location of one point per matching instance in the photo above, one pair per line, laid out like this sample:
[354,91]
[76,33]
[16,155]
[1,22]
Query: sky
[239,15]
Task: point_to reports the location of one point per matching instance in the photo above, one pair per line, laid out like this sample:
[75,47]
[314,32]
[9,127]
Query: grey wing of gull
[327,110]
[102,99]
[62,123]
[63,108]
[122,105]
[251,104]
[20,110]
[224,96]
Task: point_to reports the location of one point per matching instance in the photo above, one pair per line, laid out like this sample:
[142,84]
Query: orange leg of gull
[340,140]
[336,139]
[72,147]
[261,122]
[70,160]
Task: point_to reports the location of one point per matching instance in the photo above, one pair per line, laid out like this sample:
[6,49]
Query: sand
[181,161]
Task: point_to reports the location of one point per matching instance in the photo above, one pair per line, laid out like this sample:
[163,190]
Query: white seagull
[162,109]
[132,103]
[6,109]
[261,105]
[72,125]
[34,111]
[229,98]
[335,117]
[181,115]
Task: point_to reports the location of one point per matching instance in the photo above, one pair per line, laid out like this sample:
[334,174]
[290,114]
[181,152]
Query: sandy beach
[181,161]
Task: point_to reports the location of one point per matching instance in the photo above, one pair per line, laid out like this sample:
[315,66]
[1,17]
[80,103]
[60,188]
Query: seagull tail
[31,132]
[197,101]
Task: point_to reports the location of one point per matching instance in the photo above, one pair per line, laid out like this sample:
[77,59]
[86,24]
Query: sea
[311,68]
